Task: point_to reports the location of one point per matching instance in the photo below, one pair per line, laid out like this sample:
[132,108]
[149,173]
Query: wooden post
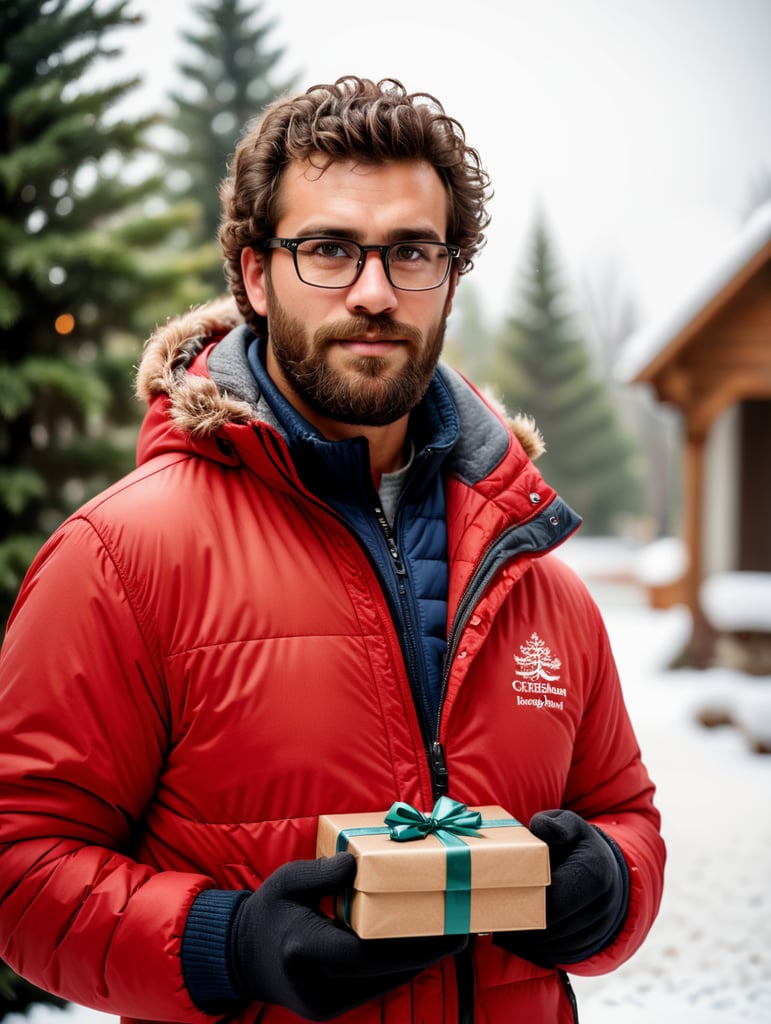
[702,637]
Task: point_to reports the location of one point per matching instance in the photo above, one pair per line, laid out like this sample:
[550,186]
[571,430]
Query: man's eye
[331,250]
[409,254]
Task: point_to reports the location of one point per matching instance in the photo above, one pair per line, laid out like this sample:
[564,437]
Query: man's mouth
[377,346]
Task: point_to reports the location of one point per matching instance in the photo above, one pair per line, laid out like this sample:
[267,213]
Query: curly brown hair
[352,118]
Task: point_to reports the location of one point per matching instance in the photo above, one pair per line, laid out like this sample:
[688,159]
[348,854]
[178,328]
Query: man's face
[364,354]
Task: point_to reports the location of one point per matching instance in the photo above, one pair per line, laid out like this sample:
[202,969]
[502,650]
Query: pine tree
[81,262]
[228,81]
[543,368]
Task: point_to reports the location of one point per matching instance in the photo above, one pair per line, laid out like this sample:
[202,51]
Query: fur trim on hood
[198,407]
[528,435]
[522,426]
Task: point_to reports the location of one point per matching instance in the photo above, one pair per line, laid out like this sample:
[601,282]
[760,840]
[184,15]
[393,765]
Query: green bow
[406,822]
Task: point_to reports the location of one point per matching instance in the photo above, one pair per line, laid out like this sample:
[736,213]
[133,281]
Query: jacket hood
[171,371]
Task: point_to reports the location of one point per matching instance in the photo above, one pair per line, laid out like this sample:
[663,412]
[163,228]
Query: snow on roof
[644,345]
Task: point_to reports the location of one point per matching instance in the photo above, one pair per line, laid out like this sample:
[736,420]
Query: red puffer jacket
[201,661]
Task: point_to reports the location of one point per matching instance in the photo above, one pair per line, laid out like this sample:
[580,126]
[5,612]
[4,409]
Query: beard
[368,392]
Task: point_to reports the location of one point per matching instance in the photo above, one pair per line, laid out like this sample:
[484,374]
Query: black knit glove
[284,950]
[587,901]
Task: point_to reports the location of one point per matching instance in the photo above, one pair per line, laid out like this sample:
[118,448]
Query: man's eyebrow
[413,234]
[426,234]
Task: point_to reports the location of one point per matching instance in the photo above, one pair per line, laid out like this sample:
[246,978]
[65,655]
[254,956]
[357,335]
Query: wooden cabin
[711,359]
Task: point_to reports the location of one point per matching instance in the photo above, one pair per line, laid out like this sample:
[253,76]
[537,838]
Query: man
[326,587]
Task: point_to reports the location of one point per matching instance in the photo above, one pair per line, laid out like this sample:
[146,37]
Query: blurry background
[628,143]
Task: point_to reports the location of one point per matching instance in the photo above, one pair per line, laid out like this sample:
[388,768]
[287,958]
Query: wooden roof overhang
[722,355]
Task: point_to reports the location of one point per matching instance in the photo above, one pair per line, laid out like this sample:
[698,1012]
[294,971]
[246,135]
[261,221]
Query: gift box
[457,870]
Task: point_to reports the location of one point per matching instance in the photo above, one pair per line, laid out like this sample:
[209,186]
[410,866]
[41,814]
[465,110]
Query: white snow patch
[662,561]
[737,601]
[600,558]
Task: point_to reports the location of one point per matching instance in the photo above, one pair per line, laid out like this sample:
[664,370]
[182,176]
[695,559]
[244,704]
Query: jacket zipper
[570,993]
[488,567]
[504,550]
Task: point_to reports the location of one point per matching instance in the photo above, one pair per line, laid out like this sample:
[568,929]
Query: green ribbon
[449,821]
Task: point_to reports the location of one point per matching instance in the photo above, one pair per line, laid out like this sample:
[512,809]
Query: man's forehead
[317,185]
[317,166]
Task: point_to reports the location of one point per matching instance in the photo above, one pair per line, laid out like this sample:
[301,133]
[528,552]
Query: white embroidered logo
[537,672]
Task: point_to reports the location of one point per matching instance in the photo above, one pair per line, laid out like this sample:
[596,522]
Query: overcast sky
[638,127]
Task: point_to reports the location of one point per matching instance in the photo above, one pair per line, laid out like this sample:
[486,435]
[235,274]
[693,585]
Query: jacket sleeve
[609,786]
[84,726]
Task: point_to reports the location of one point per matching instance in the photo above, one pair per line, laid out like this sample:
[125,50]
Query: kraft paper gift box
[457,870]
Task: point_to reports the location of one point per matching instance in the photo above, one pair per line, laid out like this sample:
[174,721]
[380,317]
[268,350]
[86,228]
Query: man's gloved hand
[587,901]
[284,950]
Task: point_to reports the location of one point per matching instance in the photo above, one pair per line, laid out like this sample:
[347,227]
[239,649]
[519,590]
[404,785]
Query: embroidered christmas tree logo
[536,661]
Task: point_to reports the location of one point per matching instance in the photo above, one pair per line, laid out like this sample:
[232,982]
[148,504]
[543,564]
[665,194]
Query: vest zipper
[409,642]
[393,550]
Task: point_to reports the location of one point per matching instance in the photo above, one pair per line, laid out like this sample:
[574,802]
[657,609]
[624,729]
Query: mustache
[377,326]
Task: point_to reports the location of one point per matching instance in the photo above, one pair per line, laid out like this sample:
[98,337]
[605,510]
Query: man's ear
[253,273]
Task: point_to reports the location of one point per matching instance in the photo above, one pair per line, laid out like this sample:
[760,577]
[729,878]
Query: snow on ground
[707,959]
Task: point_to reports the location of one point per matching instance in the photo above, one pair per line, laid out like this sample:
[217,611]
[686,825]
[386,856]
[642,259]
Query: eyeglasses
[411,266]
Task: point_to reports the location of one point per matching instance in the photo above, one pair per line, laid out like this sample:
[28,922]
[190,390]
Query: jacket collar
[328,468]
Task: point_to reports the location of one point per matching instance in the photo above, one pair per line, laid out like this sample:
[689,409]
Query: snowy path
[708,957]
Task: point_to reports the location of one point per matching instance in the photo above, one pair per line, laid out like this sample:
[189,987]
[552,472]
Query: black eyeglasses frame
[292,244]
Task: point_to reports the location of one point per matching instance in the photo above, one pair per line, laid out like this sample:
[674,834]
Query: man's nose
[372,291]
